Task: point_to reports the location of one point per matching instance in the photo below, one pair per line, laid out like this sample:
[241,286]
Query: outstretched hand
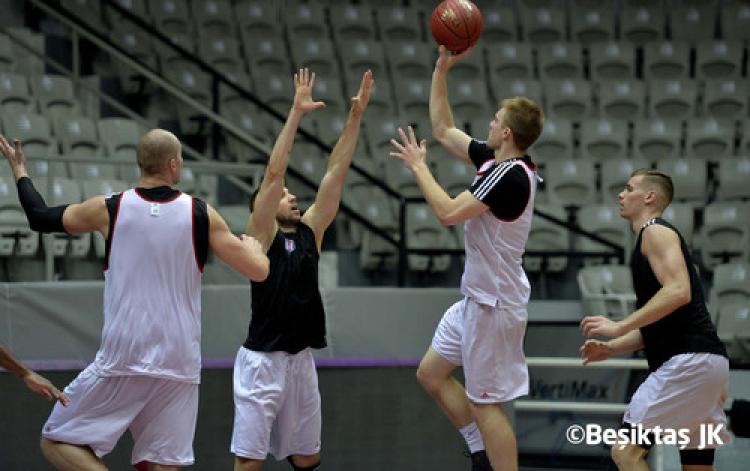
[595,350]
[13,154]
[592,326]
[360,101]
[408,150]
[43,387]
[447,59]
[304,81]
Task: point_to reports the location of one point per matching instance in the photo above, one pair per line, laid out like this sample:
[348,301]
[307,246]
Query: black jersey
[686,330]
[287,307]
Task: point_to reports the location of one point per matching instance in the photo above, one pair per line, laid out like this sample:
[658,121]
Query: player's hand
[43,387]
[14,155]
[359,102]
[304,81]
[593,326]
[411,153]
[447,59]
[595,350]
[251,243]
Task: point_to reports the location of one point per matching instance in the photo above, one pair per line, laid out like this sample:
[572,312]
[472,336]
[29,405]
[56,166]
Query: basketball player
[485,330]
[146,373]
[689,377]
[276,398]
[33,381]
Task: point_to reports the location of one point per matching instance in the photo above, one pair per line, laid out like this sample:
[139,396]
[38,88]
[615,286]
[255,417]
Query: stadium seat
[603,220]
[352,22]
[545,235]
[214,17]
[500,24]
[735,21]
[672,99]
[507,88]
[400,23]
[568,98]
[27,63]
[259,18]
[725,229]
[470,68]
[603,139]
[198,86]
[382,103]
[330,90]
[55,95]
[570,182]
[689,175]
[359,55]
[88,11]
[77,136]
[593,25]
[7,57]
[16,238]
[510,61]
[64,191]
[725,98]
[555,142]
[413,97]
[734,175]
[139,46]
[316,53]
[266,55]
[612,61]
[693,23]
[657,139]
[710,138]
[719,59]
[606,290]
[305,21]
[171,16]
[560,61]
[222,52]
[410,59]
[731,284]
[682,216]
[379,135]
[734,330]
[424,231]
[276,90]
[543,25]
[14,93]
[666,60]
[454,175]
[622,99]
[469,99]
[641,24]
[376,253]
[34,131]
[615,174]
[120,139]
[401,178]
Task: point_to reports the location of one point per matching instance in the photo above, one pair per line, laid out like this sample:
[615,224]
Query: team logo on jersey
[289,245]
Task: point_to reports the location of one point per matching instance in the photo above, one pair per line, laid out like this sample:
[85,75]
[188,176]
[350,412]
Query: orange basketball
[456,24]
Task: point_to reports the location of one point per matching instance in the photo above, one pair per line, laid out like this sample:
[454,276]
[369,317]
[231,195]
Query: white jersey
[495,240]
[152,291]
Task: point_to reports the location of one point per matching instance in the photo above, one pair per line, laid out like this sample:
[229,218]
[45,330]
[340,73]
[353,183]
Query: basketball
[456,24]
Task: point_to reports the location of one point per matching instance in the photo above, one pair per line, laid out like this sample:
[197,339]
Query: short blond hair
[525,118]
[659,180]
[155,149]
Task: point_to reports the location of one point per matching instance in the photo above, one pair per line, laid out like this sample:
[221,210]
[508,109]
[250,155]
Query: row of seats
[608,290]
[583,21]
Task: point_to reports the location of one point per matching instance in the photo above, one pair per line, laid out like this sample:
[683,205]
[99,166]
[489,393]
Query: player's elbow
[439,132]
[682,295]
[260,271]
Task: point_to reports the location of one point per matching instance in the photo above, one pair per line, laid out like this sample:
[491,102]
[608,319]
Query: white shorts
[488,342]
[276,404]
[160,414]
[686,391]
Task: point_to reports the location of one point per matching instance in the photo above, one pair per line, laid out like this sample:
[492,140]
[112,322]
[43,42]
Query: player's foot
[480,462]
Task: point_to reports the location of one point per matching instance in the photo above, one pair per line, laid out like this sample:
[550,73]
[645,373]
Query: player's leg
[305,462]
[297,433]
[697,460]
[435,374]
[247,464]
[67,457]
[630,458]
[499,438]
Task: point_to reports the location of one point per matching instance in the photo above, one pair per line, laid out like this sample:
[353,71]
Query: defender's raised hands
[304,81]
[14,155]
[360,101]
[409,151]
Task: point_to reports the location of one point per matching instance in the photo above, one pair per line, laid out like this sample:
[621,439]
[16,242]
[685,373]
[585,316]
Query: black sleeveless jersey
[686,330]
[287,310]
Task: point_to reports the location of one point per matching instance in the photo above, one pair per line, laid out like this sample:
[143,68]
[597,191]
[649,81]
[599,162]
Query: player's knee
[305,463]
[428,381]
[628,456]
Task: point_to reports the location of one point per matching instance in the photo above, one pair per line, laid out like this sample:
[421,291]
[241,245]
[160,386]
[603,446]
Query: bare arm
[323,211]
[444,129]
[597,350]
[661,246]
[244,254]
[262,223]
[448,210]
[33,381]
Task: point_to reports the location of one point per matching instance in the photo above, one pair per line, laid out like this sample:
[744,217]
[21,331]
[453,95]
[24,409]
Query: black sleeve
[200,231]
[479,153]
[41,217]
[113,206]
[505,188]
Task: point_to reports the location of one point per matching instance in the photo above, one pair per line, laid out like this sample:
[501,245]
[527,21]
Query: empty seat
[89,11]
[641,24]
[413,98]
[410,59]
[666,60]
[171,16]
[469,99]
[34,131]
[379,134]
[77,136]
[744,148]
[276,90]
[510,61]
[682,216]
[500,24]
[16,238]
[622,99]
[735,21]
[508,88]
[27,63]
[424,231]
[672,99]
[731,284]
[376,252]
[330,90]
[261,18]
[8,193]
[315,53]
[560,61]
[734,330]
[607,290]
[689,176]
[657,139]
[358,56]
[545,235]
[381,95]
[120,138]
[305,21]
[726,98]
[454,175]
[570,182]
[14,93]
[693,23]
[214,17]
[710,138]
[351,22]
[139,46]
[543,25]
[555,142]
[724,236]
[615,174]
[593,25]
[604,139]
[266,56]
[604,221]
[734,175]
[7,57]
[400,23]
[719,59]
[471,67]
[247,117]
[55,94]
[568,98]
[611,60]
[222,52]
[197,85]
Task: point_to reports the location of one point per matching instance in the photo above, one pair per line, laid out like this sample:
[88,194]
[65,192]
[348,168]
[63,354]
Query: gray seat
[571,182]
[604,221]
[734,173]
[560,61]
[14,93]
[666,60]
[615,174]
[672,99]
[612,60]
[603,139]
[568,98]
[545,235]
[352,22]
[398,23]
[657,139]
[690,177]
[725,98]
[55,95]
[725,229]
[622,99]
[424,231]
[710,138]
[511,61]
[607,290]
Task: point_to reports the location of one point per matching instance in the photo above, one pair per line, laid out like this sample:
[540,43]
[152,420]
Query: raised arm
[443,128]
[33,381]
[79,218]
[262,223]
[323,211]
[244,254]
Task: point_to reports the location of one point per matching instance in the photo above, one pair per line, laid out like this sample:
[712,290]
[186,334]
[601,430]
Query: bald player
[146,373]
[689,369]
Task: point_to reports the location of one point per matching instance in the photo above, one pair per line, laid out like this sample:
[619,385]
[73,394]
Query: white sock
[473,437]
